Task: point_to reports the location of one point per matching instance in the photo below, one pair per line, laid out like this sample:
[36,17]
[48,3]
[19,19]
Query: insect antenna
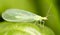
[49,10]
[47,16]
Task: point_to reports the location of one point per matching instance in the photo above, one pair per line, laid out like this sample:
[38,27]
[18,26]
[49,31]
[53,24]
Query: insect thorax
[39,18]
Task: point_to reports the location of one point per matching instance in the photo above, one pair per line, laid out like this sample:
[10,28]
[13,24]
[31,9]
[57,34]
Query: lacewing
[17,15]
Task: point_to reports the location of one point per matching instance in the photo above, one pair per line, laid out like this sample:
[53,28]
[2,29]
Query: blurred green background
[39,7]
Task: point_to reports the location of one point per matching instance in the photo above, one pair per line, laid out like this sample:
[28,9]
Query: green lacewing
[18,15]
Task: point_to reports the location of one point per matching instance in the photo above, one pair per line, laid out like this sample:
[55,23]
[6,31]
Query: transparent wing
[16,15]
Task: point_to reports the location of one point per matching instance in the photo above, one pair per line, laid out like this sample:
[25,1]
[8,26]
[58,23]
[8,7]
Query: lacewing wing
[17,15]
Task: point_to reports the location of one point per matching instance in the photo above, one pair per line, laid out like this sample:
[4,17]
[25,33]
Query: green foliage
[39,7]
[9,28]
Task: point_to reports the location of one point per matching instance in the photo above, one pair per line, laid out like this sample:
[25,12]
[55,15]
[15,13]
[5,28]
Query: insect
[17,15]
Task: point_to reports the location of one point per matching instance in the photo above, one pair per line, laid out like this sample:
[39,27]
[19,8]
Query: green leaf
[9,28]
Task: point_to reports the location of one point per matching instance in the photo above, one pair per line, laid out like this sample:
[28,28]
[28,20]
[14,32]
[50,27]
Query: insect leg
[41,24]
